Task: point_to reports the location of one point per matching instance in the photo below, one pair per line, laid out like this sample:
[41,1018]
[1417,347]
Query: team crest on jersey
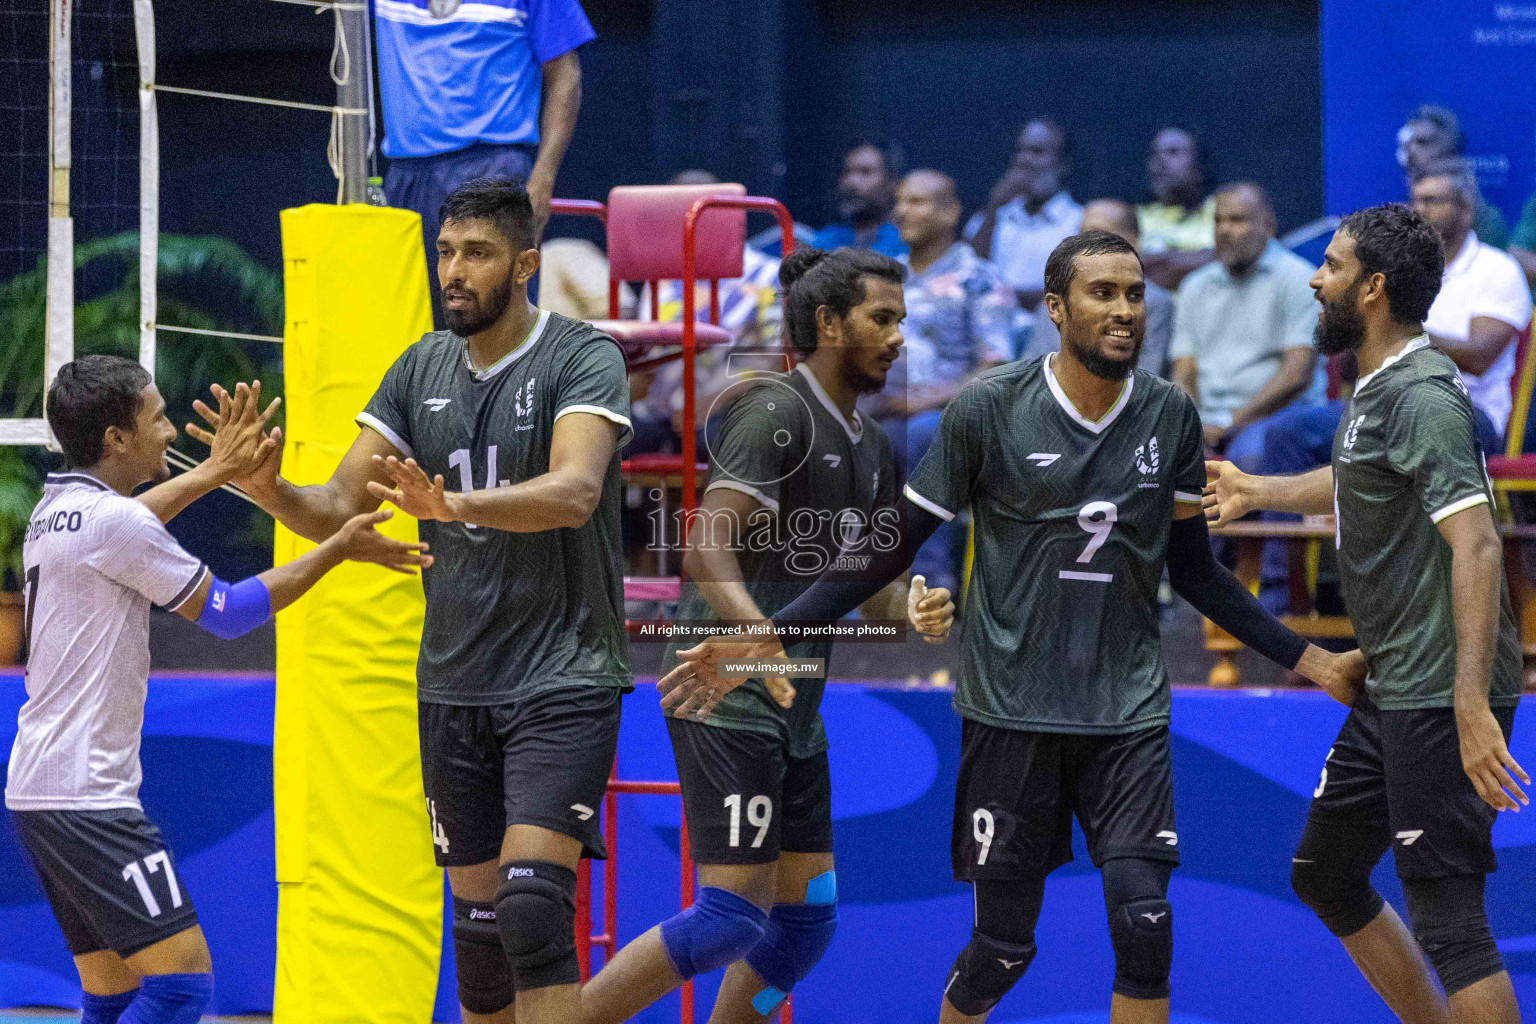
[1354,430]
[1147,457]
[524,399]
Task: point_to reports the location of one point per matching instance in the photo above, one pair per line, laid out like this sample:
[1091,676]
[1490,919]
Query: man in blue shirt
[476,88]
[866,191]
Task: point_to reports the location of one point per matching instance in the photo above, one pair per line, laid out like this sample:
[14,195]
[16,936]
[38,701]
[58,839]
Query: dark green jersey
[512,614]
[1404,458]
[1060,632]
[827,490]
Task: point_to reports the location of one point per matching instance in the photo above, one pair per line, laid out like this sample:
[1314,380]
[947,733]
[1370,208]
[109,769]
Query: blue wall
[1245,765]
[1381,61]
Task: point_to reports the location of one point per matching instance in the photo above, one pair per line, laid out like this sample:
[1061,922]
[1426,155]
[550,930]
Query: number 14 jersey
[1071,535]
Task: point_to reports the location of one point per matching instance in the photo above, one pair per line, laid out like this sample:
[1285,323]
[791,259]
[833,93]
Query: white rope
[294,104]
[149,184]
[185,462]
[215,334]
[341,69]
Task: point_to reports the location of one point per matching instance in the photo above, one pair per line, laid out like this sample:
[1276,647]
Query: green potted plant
[207,283]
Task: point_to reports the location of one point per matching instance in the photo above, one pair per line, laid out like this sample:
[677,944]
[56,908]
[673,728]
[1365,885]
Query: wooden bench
[1303,538]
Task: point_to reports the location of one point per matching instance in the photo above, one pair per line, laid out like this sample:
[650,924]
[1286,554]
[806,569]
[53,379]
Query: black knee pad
[984,972]
[1451,924]
[536,916]
[1140,925]
[484,976]
[1331,874]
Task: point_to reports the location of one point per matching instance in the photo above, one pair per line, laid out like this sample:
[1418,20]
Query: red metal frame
[608,938]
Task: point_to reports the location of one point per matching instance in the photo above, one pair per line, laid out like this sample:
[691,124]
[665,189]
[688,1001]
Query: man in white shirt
[94,560]
[1029,211]
[1484,302]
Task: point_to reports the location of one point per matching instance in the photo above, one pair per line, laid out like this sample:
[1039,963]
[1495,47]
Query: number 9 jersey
[1071,520]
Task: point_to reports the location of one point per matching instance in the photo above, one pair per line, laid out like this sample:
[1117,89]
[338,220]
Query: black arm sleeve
[837,592]
[1217,594]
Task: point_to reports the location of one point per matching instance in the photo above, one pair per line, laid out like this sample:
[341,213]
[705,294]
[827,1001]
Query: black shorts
[1398,775]
[1018,791]
[542,761]
[109,878]
[746,799]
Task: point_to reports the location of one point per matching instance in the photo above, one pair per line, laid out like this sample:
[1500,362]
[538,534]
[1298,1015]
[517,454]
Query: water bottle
[375,192]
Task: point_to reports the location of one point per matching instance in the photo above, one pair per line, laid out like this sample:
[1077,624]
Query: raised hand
[931,612]
[413,493]
[695,686]
[238,444]
[359,541]
[1225,497]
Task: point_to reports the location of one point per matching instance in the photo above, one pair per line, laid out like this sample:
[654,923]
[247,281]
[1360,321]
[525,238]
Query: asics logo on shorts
[476,914]
[519,873]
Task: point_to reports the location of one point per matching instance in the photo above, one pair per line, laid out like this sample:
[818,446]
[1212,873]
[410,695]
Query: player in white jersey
[94,560]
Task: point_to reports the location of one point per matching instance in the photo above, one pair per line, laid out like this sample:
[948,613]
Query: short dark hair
[1445,121]
[890,153]
[1061,265]
[502,201]
[89,395]
[812,278]
[1459,170]
[1227,187]
[1397,243]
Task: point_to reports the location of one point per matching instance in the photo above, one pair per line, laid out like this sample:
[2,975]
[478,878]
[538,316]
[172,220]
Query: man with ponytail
[800,481]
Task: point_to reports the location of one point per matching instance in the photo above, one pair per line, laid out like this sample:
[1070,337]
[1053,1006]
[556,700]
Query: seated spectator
[749,310]
[1119,218]
[1178,227]
[1433,134]
[573,280]
[866,189]
[960,316]
[1522,243]
[1242,326]
[1029,210]
[1484,301]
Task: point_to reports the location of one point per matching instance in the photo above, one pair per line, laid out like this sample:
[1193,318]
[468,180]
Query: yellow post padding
[359,921]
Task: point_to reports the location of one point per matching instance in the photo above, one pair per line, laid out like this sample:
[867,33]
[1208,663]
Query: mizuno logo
[1009,965]
[582,811]
[1154,918]
[219,596]
[1043,459]
[1409,836]
[1169,838]
[436,404]
[832,460]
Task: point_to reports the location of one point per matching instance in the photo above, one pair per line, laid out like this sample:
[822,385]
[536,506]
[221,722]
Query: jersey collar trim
[511,357]
[75,477]
[1096,426]
[1422,341]
[855,430]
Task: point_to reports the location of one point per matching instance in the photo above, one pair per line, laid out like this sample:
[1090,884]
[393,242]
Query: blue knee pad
[170,999]
[96,1009]
[795,940]
[717,930]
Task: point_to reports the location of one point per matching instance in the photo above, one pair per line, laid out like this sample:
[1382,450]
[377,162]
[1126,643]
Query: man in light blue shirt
[1242,328]
[476,88]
